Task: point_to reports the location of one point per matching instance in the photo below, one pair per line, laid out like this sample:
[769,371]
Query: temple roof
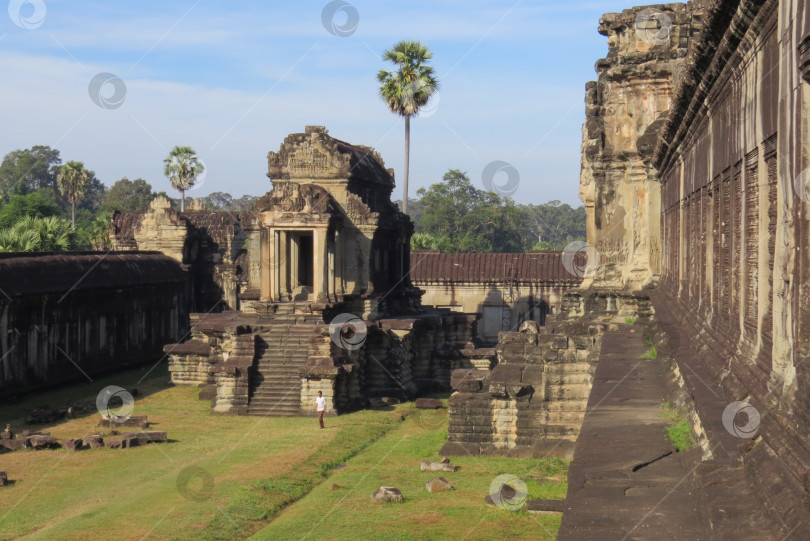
[434,266]
[62,272]
[316,155]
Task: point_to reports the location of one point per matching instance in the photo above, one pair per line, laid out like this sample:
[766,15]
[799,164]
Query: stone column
[283,265]
[266,258]
[319,264]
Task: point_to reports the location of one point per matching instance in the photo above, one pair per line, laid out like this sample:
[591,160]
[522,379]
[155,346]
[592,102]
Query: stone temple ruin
[324,246]
[695,181]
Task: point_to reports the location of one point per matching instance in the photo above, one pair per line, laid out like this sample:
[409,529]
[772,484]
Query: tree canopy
[455,216]
[129,195]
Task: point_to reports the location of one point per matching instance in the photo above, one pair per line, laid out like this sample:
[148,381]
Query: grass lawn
[345,512]
[227,477]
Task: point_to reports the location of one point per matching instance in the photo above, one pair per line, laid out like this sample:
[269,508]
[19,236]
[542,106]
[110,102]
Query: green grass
[651,353]
[134,493]
[270,476]
[679,433]
[347,513]
[629,320]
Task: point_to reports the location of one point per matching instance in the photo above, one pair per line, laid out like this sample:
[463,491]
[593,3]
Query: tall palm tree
[72,181]
[407,90]
[182,168]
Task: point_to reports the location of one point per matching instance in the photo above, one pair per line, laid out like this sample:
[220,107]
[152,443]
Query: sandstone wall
[208,244]
[733,164]
[68,317]
[625,109]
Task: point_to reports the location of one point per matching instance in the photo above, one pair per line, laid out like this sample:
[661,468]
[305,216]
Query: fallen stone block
[139,421]
[149,436]
[545,507]
[390,400]
[12,445]
[42,441]
[120,442]
[428,465]
[387,494]
[72,444]
[95,441]
[428,403]
[438,484]
[3,479]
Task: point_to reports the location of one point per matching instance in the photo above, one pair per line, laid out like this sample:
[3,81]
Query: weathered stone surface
[146,436]
[41,441]
[72,444]
[3,478]
[624,110]
[139,421]
[438,484]
[546,507]
[94,441]
[387,495]
[428,465]
[97,289]
[120,442]
[12,445]
[428,403]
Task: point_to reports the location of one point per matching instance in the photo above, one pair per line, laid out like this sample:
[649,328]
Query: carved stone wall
[275,365]
[69,316]
[733,164]
[625,109]
[208,244]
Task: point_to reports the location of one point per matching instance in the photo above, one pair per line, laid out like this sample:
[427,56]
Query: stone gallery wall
[625,109]
[69,316]
[506,289]
[733,164]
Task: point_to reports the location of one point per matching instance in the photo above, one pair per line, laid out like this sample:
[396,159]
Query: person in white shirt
[320,406]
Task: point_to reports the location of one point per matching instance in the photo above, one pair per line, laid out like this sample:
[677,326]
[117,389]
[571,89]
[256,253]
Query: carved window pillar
[320,265]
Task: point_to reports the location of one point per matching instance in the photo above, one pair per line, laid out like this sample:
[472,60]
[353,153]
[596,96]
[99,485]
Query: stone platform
[626,481]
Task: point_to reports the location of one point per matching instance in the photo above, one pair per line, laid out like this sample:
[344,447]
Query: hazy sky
[232,79]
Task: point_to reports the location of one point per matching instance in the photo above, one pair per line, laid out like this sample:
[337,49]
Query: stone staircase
[568,385]
[282,349]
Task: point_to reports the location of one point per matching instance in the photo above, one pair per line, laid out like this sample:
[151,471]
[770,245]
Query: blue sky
[232,79]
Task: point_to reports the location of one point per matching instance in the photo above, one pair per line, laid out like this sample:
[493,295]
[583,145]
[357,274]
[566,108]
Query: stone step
[568,405]
[570,368]
[569,379]
[568,392]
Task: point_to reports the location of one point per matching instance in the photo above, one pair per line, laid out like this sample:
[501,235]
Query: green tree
[35,234]
[458,217]
[25,171]
[554,225]
[407,90]
[72,180]
[12,240]
[182,169]
[32,204]
[129,196]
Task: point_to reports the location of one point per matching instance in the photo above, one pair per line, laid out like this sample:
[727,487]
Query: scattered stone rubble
[9,441]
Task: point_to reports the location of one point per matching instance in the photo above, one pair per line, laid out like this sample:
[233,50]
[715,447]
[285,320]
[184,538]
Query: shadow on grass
[84,395]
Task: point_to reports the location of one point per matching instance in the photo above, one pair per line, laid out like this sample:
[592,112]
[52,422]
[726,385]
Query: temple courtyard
[222,477]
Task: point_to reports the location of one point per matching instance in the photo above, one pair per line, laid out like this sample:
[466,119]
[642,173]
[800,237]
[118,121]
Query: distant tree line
[455,216]
[49,206]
